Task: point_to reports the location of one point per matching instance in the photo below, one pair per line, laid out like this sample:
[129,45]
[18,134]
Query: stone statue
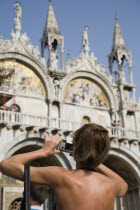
[85,40]
[85,36]
[17,20]
[18,11]
[53,60]
[56,86]
[122,75]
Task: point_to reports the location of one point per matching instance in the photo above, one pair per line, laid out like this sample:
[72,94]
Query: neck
[84,167]
[79,165]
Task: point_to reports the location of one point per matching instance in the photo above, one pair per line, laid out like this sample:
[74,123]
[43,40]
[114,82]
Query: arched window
[86,119]
[15,108]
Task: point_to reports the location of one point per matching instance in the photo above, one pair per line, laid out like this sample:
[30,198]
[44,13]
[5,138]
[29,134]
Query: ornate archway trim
[130,159]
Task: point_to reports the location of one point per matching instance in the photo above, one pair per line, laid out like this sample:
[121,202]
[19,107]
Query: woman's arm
[120,184]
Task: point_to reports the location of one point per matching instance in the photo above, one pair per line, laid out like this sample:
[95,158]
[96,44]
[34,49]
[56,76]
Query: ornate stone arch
[63,159]
[128,156]
[126,164]
[98,79]
[36,66]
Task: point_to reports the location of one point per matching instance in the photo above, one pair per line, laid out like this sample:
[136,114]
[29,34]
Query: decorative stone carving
[30,47]
[110,77]
[8,127]
[4,45]
[25,38]
[13,35]
[43,61]
[36,52]
[36,129]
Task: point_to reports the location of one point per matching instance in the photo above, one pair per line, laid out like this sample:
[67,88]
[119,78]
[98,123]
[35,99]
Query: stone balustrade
[130,105]
[20,119]
[122,133]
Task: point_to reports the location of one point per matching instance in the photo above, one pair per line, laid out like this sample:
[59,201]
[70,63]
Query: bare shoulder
[107,182]
[118,188]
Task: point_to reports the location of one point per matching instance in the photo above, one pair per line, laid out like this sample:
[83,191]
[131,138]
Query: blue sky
[72,16]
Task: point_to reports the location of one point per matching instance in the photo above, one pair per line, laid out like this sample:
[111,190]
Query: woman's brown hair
[91,145]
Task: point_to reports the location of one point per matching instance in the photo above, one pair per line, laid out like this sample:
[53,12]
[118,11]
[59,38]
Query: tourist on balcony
[119,123]
[114,123]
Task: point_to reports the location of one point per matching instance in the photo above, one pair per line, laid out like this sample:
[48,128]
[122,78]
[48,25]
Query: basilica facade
[39,92]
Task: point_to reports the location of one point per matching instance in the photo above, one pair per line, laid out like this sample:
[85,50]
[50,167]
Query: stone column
[130,75]
[124,117]
[60,114]
[134,95]
[49,112]
[121,93]
[115,205]
[121,202]
[136,124]
[62,58]
[113,115]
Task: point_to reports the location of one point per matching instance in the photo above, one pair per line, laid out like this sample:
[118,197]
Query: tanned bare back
[85,190]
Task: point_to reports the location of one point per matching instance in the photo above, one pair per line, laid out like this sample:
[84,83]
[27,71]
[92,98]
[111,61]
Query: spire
[52,40]
[85,42]
[17,19]
[122,56]
[118,41]
[51,26]
[51,23]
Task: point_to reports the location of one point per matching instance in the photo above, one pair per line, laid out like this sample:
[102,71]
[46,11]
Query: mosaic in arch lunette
[20,79]
[85,92]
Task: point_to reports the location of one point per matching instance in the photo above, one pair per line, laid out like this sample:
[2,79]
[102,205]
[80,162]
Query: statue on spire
[17,19]
[85,42]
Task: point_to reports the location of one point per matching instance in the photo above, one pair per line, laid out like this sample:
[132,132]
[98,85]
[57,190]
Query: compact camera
[65,146]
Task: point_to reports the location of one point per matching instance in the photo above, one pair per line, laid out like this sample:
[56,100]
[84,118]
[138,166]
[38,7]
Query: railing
[14,118]
[129,105]
[122,133]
